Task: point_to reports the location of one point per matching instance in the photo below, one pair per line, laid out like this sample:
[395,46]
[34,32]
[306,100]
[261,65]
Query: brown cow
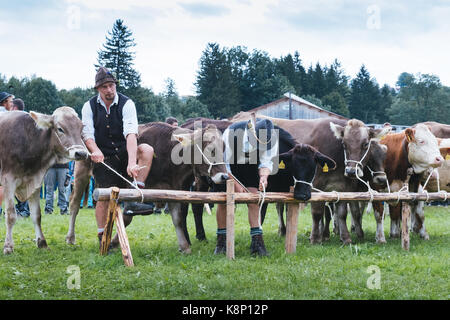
[29,145]
[174,173]
[415,148]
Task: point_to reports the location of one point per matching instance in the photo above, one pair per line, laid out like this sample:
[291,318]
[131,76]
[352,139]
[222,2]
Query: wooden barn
[291,106]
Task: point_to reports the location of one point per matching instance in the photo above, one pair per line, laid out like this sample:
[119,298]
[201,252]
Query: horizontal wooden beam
[159,195]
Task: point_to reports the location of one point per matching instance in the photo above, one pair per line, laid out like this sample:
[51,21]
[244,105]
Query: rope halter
[211,164]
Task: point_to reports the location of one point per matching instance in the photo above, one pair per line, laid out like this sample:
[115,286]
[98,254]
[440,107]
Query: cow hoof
[346,241]
[201,238]
[395,235]
[41,244]
[360,235]
[186,251]
[70,240]
[381,241]
[8,249]
[425,236]
[315,241]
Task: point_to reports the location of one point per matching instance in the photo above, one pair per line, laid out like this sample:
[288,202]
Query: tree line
[235,79]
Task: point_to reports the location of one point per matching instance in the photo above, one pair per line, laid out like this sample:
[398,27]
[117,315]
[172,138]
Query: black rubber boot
[257,246]
[138,209]
[221,247]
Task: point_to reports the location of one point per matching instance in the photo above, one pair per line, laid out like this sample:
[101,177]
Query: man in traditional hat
[110,133]
[6,101]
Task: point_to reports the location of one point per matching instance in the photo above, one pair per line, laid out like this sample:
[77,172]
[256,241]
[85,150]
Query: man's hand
[263,181]
[97,156]
[133,170]
[263,176]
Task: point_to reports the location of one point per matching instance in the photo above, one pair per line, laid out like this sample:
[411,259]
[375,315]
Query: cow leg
[378,213]
[175,211]
[317,214]
[281,223]
[10,215]
[183,217]
[341,216]
[419,220]
[396,218]
[80,184]
[35,210]
[356,211]
[263,212]
[326,225]
[197,209]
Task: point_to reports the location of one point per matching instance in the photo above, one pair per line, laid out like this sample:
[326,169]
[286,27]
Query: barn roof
[300,101]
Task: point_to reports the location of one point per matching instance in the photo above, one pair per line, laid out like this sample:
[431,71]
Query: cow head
[423,149]
[65,127]
[356,140]
[206,149]
[302,161]
[375,165]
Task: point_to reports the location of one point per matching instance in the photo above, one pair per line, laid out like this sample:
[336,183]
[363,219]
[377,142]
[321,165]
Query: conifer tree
[116,55]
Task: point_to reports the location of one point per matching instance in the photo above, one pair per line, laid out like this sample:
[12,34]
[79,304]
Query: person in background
[56,176]
[172,121]
[5,105]
[18,104]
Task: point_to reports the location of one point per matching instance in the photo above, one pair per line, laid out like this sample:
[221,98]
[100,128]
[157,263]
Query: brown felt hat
[103,75]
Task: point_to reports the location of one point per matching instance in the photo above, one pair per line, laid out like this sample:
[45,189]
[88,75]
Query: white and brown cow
[30,143]
[415,148]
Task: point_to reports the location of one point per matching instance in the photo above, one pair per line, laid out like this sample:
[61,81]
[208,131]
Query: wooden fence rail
[294,206]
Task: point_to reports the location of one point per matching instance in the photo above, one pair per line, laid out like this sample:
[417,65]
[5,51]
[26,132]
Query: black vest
[109,127]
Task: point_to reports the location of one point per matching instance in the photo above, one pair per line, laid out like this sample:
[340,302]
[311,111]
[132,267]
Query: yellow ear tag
[281,165]
[325,168]
[447,157]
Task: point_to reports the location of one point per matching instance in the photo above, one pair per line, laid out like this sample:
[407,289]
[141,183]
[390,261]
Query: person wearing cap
[110,129]
[6,101]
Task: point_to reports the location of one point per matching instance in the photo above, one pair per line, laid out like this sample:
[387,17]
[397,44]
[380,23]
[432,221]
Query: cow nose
[349,171]
[81,155]
[225,177]
[302,196]
[438,161]
[380,180]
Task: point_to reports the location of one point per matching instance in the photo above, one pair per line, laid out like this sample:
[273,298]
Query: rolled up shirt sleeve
[88,122]
[130,122]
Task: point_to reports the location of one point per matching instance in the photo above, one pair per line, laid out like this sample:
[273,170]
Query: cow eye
[60,130]
[365,145]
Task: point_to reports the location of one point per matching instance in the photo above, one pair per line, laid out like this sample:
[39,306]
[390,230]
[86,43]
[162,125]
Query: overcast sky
[59,40]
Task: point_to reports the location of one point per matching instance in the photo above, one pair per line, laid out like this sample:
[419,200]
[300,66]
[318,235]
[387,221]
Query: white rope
[211,164]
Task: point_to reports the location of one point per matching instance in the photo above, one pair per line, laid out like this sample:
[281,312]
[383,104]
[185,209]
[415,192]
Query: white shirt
[129,117]
[3,109]
[265,156]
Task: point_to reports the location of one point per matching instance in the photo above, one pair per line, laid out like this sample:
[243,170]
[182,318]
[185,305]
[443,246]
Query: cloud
[201,9]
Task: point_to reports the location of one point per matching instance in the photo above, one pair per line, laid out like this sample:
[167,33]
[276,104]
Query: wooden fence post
[292,225]
[111,215]
[123,239]
[230,219]
[406,212]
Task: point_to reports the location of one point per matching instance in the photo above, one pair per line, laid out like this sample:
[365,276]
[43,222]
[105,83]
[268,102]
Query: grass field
[327,271]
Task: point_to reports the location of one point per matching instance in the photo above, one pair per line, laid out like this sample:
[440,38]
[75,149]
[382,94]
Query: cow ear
[379,133]
[43,121]
[337,130]
[184,138]
[323,161]
[286,156]
[409,133]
